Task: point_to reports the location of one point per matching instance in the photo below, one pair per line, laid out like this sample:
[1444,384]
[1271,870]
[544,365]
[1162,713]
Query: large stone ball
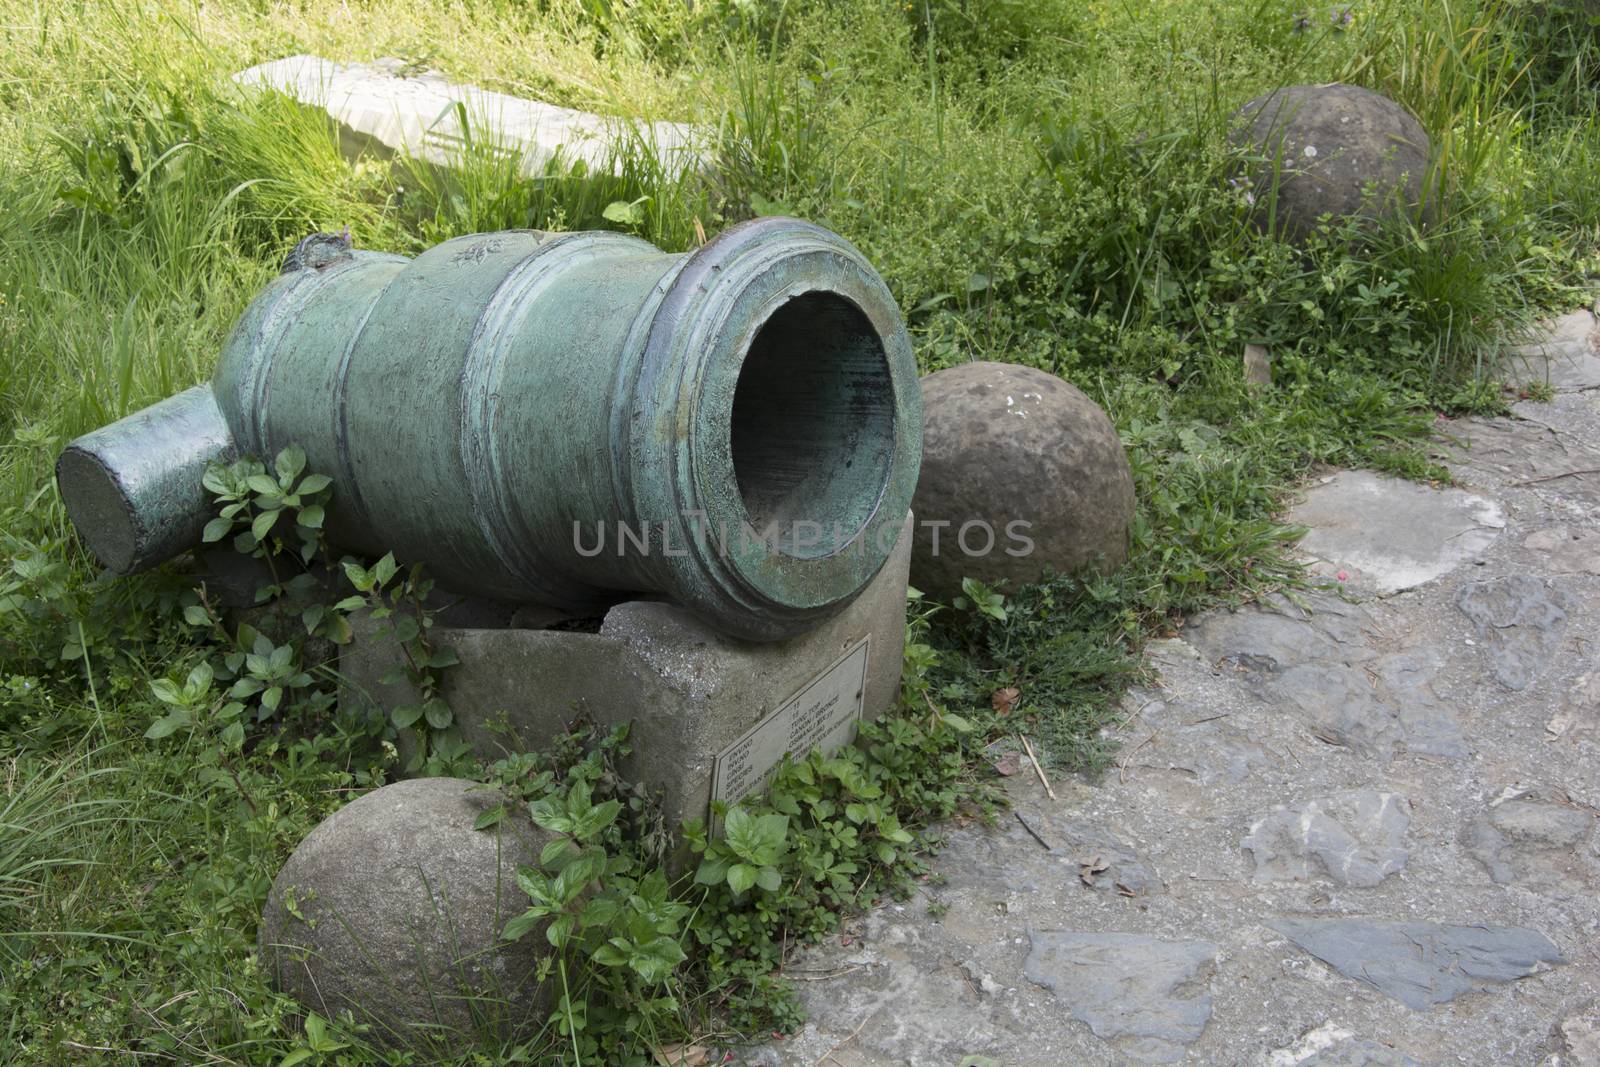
[1336,149]
[393,907]
[1012,451]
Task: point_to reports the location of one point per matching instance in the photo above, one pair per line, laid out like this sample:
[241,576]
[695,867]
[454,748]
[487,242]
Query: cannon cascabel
[559,419]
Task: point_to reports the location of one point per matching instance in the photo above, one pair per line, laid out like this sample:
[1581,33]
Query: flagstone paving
[1357,827]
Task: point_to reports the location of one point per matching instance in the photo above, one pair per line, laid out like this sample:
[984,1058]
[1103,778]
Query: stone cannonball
[1015,451]
[1337,149]
[392,907]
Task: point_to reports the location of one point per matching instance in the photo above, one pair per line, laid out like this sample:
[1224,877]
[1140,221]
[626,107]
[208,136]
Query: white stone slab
[1386,534]
[383,109]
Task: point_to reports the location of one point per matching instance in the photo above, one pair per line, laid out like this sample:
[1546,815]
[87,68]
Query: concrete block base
[689,692]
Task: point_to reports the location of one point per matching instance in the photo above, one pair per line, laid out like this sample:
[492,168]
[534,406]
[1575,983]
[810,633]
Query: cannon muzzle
[558,419]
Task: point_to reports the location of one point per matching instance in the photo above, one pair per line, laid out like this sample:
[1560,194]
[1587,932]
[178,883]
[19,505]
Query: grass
[1040,182]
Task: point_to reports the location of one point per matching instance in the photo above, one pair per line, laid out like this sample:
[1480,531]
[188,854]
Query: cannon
[560,419]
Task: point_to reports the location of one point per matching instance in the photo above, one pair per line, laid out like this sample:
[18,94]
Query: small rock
[1144,996]
[1578,1036]
[982,979]
[1529,839]
[1354,838]
[1520,620]
[1257,365]
[1421,964]
[1332,1046]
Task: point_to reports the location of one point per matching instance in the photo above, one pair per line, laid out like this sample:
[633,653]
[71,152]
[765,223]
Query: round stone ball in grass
[393,908]
[1330,149]
[1022,476]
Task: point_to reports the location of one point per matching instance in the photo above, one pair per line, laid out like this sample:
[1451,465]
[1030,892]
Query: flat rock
[1316,660]
[1386,534]
[1579,715]
[1421,964]
[1330,1045]
[1209,750]
[1356,839]
[1562,355]
[1520,453]
[1564,550]
[1533,840]
[1277,633]
[1519,620]
[1145,996]
[1100,860]
[385,108]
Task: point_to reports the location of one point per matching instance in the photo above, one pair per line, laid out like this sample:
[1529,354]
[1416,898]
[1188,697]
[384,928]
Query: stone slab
[1386,534]
[688,691]
[1562,355]
[1519,620]
[1421,964]
[1356,839]
[1146,996]
[385,108]
[1317,658]
[1535,841]
[1523,453]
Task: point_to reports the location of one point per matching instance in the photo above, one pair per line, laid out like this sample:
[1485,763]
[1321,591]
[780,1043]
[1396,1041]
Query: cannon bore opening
[813,425]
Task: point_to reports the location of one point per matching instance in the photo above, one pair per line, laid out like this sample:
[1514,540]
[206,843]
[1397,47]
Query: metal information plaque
[822,715]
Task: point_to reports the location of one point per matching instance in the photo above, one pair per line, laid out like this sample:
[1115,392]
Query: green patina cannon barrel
[559,419]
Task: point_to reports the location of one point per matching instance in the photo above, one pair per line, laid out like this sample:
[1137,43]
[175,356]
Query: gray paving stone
[1355,839]
[1145,996]
[1519,453]
[1421,964]
[1562,355]
[1520,620]
[1532,840]
[1320,664]
[1100,860]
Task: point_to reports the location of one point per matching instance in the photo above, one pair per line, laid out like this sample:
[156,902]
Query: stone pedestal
[690,693]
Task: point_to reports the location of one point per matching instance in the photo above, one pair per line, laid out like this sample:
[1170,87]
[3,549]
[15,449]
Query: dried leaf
[681,1055]
[1008,764]
[1005,699]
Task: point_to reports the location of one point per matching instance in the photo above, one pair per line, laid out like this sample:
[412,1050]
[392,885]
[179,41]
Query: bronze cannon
[563,419]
